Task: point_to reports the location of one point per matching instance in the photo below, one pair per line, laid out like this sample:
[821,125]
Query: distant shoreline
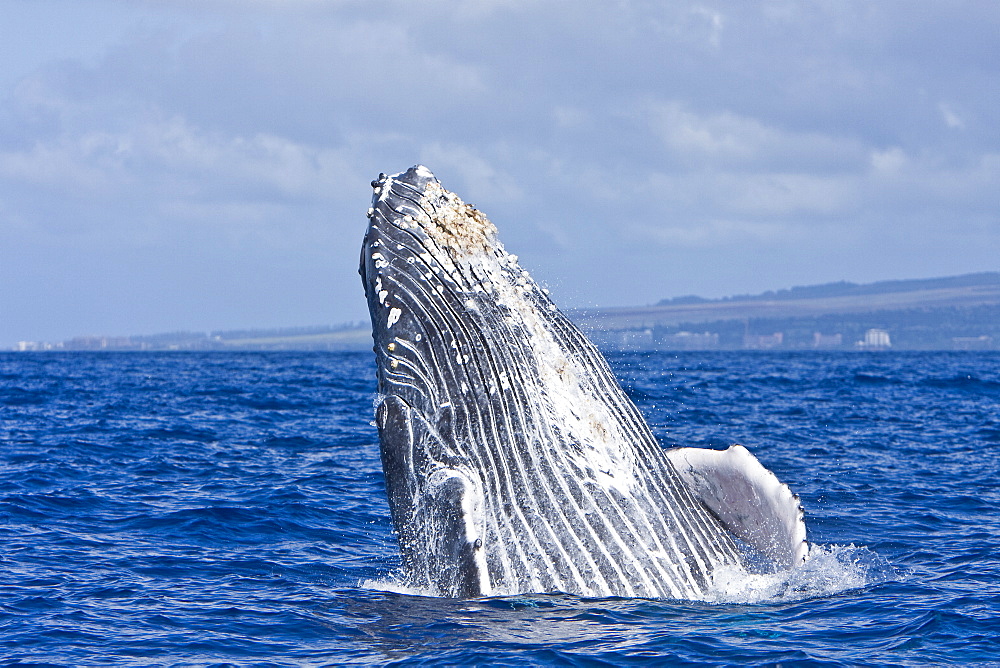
[952,313]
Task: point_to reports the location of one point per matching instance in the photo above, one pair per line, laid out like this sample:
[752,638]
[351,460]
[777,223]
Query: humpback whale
[514,462]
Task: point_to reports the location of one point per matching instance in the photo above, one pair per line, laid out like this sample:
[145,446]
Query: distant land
[952,313]
[348,336]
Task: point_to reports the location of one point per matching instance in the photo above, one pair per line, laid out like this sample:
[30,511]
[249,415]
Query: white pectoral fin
[748,499]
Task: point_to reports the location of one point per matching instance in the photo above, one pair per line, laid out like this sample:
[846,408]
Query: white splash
[830,570]
[393,585]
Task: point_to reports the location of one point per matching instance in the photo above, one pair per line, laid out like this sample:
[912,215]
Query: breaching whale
[514,462]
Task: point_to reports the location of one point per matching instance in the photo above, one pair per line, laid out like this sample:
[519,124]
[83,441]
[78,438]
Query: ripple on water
[207,509]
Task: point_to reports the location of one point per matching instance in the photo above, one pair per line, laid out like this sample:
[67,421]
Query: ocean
[229,509]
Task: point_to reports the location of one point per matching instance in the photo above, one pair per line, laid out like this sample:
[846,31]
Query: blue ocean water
[229,509]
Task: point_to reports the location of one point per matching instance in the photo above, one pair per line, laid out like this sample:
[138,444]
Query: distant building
[32,346]
[983,342]
[763,341]
[637,339]
[827,340]
[98,343]
[623,339]
[875,339]
[689,341]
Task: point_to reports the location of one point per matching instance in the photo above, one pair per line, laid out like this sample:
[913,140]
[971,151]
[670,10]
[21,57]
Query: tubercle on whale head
[425,249]
[425,245]
[421,244]
[416,200]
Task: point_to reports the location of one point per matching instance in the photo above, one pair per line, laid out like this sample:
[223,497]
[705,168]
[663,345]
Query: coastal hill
[941,313]
[965,291]
[957,312]
[349,336]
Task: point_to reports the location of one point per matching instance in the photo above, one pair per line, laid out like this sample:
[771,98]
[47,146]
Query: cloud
[728,139]
[713,21]
[888,161]
[951,119]
[168,162]
[713,233]
[233,140]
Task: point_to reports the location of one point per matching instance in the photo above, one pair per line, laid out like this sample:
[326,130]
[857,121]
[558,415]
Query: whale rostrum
[514,462]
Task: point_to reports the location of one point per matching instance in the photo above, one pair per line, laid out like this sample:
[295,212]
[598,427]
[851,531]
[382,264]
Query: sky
[206,165]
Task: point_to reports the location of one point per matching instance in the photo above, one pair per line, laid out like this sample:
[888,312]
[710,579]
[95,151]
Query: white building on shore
[875,339]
